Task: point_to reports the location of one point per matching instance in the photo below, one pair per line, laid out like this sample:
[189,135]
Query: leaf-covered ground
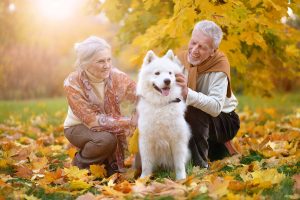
[35,162]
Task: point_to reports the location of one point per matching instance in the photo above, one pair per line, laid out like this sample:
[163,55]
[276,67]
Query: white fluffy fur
[164,133]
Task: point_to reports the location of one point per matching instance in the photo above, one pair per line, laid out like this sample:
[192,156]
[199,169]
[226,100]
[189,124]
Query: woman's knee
[106,140]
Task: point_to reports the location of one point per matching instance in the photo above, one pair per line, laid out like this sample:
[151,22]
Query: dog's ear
[170,55]
[150,56]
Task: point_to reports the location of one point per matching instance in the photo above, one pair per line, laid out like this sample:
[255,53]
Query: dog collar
[177,100]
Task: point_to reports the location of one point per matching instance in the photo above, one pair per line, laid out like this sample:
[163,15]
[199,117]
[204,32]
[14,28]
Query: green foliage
[289,170]
[280,192]
[257,44]
[42,194]
[253,156]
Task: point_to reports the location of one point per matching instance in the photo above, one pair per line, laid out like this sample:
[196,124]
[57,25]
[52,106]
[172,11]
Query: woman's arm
[90,117]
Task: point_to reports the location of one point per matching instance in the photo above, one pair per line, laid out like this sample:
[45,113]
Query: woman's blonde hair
[86,49]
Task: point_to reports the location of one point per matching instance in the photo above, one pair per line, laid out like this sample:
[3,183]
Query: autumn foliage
[262,51]
[35,163]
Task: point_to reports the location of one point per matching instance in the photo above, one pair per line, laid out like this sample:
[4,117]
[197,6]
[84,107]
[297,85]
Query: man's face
[200,48]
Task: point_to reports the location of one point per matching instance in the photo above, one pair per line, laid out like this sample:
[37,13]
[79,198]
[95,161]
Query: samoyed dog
[163,132]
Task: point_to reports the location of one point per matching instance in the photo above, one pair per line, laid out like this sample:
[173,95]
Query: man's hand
[182,82]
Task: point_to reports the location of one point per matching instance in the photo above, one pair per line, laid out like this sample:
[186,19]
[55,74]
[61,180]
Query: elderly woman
[94,123]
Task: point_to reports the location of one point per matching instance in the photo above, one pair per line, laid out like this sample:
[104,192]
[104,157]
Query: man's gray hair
[211,29]
[86,49]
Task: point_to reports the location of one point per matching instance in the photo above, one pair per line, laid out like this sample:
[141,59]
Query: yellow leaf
[254,3]
[39,163]
[264,178]
[218,188]
[254,38]
[292,50]
[98,170]
[79,184]
[31,197]
[133,146]
[75,173]
[3,163]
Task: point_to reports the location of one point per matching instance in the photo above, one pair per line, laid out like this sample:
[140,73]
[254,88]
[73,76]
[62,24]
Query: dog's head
[158,74]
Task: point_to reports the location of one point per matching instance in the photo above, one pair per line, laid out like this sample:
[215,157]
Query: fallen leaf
[218,188]
[71,152]
[98,170]
[23,171]
[76,173]
[79,185]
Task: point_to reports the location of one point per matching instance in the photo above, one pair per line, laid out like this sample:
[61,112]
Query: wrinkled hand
[132,124]
[134,120]
[182,82]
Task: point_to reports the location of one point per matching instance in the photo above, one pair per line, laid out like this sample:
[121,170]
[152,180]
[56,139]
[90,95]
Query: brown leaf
[297,183]
[23,172]
[87,196]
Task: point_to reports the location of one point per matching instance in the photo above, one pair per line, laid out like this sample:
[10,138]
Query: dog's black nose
[167,81]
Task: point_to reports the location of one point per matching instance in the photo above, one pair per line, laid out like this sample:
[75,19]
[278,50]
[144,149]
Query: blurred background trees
[261,39]
[37,38]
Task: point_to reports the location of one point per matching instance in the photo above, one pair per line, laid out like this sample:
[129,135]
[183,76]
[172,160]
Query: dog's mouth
[164,91]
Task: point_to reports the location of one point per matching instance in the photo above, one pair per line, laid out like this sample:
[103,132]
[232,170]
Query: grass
[26,108]
[283,103]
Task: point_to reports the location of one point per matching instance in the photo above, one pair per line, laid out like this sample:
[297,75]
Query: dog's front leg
[179,156]
[147,162]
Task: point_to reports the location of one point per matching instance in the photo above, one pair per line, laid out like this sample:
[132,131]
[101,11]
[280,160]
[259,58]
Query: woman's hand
[182,82]
[132,124]
[134,120]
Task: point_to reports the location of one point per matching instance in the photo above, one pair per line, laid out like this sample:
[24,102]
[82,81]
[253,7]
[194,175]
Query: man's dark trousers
[209,134]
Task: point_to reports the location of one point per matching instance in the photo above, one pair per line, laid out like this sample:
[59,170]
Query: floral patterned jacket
[102,116]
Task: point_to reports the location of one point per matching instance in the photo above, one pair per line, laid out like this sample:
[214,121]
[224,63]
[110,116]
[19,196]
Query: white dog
[164,133]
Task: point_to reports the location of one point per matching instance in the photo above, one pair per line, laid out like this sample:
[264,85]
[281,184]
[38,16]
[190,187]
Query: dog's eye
[170,73]
[157,73]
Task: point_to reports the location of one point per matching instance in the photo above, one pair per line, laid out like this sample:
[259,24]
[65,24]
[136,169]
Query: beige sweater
[98,88]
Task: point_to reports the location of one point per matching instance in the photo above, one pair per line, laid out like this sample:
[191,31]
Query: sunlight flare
[56,10]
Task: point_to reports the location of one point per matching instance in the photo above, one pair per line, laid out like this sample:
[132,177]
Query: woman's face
[100,64]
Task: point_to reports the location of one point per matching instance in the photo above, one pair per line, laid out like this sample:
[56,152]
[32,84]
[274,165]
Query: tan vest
[216,63]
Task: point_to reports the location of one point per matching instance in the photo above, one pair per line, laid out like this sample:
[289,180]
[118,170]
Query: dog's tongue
[165,91]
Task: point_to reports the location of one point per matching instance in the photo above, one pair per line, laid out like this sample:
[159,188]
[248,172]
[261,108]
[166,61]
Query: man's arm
[213,102]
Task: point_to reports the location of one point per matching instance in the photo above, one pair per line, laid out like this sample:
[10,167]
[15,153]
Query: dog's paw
[180,175]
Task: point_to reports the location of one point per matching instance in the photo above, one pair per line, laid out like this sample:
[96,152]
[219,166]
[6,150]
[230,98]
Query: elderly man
[207,92]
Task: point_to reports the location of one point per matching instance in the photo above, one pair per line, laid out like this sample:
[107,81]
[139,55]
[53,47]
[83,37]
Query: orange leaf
[23,172]
[72,152]
[124,187]
[50,177]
